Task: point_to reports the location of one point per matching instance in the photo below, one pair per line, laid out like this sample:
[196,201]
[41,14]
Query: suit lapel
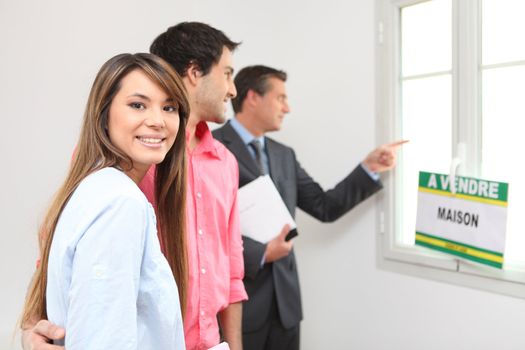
[233,141]
[274,158]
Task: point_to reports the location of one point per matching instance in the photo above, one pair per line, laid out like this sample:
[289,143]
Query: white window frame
[414,260]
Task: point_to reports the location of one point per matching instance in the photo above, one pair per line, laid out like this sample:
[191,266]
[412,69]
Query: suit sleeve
[253,255]
[328,206]
[102,302]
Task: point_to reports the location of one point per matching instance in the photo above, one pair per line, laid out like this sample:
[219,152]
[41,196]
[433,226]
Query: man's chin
[277,127]
[218,119]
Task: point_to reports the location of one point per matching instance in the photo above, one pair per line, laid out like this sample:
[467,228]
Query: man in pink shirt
[202,55]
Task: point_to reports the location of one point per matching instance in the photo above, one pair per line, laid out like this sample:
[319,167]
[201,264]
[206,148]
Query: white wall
[50,52]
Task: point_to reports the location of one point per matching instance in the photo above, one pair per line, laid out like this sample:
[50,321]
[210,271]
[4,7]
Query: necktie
[257,147]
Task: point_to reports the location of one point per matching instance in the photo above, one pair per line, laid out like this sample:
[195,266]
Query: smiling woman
[143,122]
[102,275]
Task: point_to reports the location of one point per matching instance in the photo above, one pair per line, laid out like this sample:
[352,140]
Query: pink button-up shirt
[216,266]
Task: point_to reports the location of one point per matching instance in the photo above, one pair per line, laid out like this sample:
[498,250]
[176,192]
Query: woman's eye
[170,109]
[137,105]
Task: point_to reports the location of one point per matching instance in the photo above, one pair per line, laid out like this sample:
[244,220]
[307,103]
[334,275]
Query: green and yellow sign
[470,223]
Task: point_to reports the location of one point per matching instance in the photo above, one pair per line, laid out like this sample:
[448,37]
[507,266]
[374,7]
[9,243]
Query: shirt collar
[245,135]
[206,143]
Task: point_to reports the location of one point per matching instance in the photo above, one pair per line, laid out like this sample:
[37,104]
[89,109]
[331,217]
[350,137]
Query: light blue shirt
[108,283]
[247,137]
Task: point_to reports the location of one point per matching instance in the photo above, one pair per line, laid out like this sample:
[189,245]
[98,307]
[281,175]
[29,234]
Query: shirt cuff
[237,291]
[373,175]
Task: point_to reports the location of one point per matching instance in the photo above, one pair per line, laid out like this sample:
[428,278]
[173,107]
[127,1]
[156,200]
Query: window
[450,78]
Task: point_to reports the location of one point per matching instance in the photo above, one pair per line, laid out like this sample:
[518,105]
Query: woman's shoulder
[106,199]
[108,185]
[109,180]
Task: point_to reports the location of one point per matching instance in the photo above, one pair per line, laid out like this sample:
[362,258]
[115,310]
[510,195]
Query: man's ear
[252,97]
[193,73]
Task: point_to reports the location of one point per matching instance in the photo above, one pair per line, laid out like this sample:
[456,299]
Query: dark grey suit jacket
[297,189]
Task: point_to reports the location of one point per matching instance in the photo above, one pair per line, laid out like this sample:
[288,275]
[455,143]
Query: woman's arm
[102,298]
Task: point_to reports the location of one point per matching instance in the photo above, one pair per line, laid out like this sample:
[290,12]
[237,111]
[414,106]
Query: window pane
[427,123]
[503,30]
[503,130]
[426,37]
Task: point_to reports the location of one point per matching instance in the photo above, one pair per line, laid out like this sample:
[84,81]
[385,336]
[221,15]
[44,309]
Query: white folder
[263,213]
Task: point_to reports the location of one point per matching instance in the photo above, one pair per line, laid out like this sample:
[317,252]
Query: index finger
[285,230]
[397,143]
[49,330]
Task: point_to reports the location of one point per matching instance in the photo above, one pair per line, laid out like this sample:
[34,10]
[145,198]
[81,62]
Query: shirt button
[202,313]
[200,232]
[199,195]
[203,271]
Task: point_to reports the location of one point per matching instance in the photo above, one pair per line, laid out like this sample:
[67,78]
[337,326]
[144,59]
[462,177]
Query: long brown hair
[95,151]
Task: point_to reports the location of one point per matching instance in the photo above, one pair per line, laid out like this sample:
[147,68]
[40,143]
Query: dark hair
[189,43]
[254,78]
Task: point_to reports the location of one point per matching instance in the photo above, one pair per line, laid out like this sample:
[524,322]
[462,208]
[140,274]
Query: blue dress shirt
[108,283]
[247,137]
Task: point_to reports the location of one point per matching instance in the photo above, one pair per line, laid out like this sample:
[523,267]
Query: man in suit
[273,312]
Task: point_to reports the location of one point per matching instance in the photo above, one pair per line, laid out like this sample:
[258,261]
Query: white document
[262,210]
